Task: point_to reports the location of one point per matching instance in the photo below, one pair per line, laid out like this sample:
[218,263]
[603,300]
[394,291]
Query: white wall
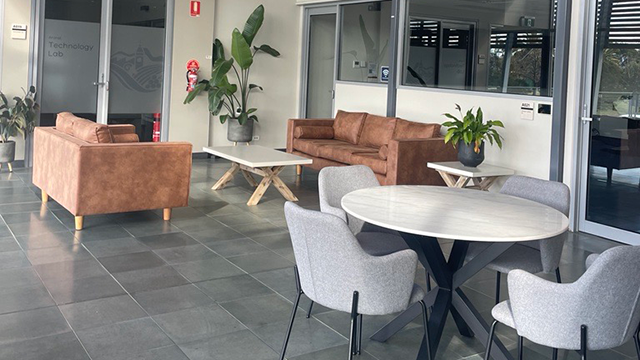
[371,98]
[15,56]
[280,77]
[527,145]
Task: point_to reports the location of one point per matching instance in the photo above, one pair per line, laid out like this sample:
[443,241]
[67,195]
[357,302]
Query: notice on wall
[70,68]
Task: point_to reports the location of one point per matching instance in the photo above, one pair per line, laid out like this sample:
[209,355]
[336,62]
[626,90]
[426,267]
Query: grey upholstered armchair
[601,310]
[535,256]
[334,271]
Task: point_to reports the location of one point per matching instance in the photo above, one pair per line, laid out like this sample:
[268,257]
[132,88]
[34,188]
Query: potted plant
[15,119]
[469,133]
[233,99]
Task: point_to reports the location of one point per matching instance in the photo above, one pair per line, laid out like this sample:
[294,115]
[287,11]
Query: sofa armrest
[133,176]
[122,129]
[292,124]
[408,158]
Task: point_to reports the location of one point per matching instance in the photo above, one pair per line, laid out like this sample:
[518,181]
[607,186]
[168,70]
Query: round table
[422,214]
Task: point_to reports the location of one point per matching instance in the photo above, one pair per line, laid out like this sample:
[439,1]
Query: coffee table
[258,160]
[482,176]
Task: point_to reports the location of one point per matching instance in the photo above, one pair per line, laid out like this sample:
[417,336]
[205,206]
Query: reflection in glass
[322,50]
[486,46]
[613,189]
[364,41]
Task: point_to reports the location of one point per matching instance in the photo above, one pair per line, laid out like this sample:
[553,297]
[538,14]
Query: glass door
[103,60]
[610,190]
[321,62]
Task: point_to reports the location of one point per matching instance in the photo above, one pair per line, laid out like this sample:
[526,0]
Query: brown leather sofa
[396,150]
[91,168]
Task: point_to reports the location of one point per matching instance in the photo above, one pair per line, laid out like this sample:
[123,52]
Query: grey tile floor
[214,283]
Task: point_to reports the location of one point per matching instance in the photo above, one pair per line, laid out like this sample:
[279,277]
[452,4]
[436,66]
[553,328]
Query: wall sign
[526,111]
[384,74]
[19,32]
[195,8]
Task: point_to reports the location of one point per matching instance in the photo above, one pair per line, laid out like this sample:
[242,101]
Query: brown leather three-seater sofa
[396,150]
[91,168]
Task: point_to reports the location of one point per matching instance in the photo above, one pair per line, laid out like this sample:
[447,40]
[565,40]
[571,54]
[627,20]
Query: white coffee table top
[459,214]
[256,156]
[483,170]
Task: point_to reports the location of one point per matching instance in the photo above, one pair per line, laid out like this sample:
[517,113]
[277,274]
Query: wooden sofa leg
[45,197]
[166,214]
[79,222]
[298,170]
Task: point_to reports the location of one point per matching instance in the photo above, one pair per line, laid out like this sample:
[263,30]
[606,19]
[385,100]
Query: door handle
[102,83]
[586,119]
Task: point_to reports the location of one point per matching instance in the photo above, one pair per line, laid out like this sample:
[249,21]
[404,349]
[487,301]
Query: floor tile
[147,228]
[197,323]
[274,242]
[9,244]
[181,254]
[280,280]
[255,312]
[31,324]
[47,240]
[102,232]
[123,340]
[37,227]
[83,289]
[233,288]
[100,312]
[259,262]
[150,279]
[58,254]
[70,270]
[19,277]
[63,346]
[259,229]
[113,247]
[24,298]
[13,259]
[236,247]
[172,299]
[130,262]
[167,240]
[238,345]
[333,353]
[164,353]
[239,219]
[207,269]
[223,233]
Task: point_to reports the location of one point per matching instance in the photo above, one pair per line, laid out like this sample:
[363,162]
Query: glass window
[502,47]
[364,41]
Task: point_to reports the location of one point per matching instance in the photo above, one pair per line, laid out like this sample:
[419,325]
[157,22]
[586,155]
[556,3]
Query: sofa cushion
[311,146]
[383,153]
[414,130]
[373,161]
[125,138]
[342,153]
[313,132]
[91,132]
[64,122]
[348,125]
[377,131]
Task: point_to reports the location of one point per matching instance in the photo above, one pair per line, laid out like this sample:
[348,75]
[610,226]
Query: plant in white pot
[469,133]
[233,99]
[15,119]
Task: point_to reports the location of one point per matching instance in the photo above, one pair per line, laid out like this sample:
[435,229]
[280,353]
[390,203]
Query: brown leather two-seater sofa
[396,150]
[91,168]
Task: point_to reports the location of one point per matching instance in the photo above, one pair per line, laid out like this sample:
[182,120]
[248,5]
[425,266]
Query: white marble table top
[483,170]
[459,214]
[256,156]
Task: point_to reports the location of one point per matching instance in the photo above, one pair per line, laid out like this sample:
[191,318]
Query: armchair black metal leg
[293,314]
[520,347]
[428,281]
[352,334]
[425,323]
[309,311]
[558,277]
[498,287]
[637,341]
[554,355]
[359,344]
[492,332]
[583,342]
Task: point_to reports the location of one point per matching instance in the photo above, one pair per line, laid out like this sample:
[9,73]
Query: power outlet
[256,138]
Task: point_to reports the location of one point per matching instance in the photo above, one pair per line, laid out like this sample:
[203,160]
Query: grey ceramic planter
[468,157]
[239,133]
[7,152]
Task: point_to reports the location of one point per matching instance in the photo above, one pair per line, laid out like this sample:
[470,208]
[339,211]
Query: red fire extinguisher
[192,74]
[156,127]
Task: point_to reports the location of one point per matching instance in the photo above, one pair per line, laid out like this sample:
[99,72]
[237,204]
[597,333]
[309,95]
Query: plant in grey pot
[469,133]
[233,99]
[15,119]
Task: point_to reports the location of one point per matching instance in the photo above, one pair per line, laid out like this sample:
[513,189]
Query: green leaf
[479,115]
[242,119]
[254,86]
[467,137]
[192,95]
[224,118]
[252,110]
[240,50]
[451,117]
[267,49]
[215,100]
[254,118]
[253,24]
[218,51]
[448,137]
[497,123]
[220,71]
